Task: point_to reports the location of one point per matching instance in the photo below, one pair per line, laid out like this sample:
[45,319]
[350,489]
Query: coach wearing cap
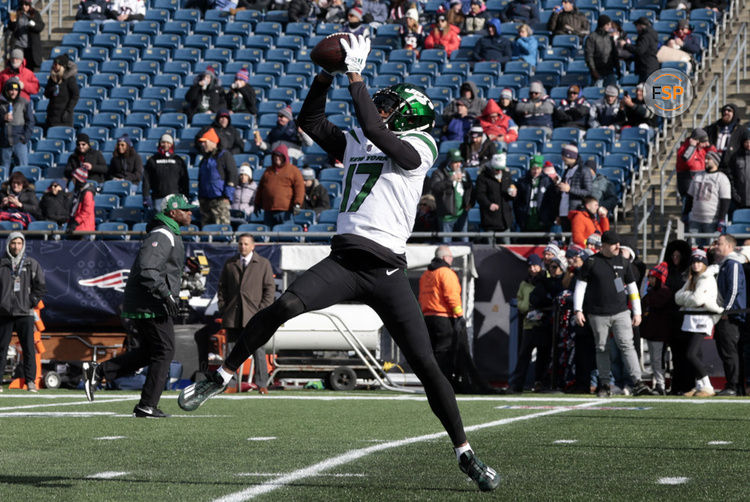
[150,300]
[610,283]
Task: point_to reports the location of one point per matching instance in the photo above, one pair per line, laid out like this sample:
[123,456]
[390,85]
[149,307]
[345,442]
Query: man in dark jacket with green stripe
[151,301]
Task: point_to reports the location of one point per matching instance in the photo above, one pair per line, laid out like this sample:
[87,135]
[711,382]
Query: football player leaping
[386,161]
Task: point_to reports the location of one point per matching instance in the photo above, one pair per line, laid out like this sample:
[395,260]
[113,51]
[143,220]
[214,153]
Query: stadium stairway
[657,223]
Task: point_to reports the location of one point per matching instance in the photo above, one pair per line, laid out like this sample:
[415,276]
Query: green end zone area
[323,446]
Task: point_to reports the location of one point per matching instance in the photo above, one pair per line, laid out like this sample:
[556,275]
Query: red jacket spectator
[29,82]
[443,36]
[280,188]
[696,161]
[584,222]
[496,125]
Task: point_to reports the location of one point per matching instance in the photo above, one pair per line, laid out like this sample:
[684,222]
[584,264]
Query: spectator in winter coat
[91,160]
[336,12]
[217,178]
[536,204]
[127,10]
[412,33]
[493,46]
[521,11]
[476,20]
[281,190]
[477,149]
[455,15]
[602,189]
[231,138]
[16,68]
[637,114]
[93,10]
[240,97]
[426,220]
[497,126]
[316,195]
[62,92]
[691,159]
[657,322]
[601,54]
[683,38]
[607,111]
[725,134]
[397,12]
[17,195]
[573,111]
[575,184]
[126,164]
[205,95]
[25,27]
[644,50]
[495,192]
[587,219]
[534,331]
[55,203]
[508,104]
[537,109]
[286,133]
[377,9]
[299,10]
[708,198]
[568,20]
[525,47]
[165,174]
[739,170]
[460,123]
[244,194]
[16,125]
[443,36]
[355,26]
[453,191]
[470,93]
[82,211]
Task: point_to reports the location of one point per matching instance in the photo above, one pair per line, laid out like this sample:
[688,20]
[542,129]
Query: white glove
[356,53]
[32,23]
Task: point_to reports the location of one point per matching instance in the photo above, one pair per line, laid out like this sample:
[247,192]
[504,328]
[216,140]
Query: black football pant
[156,350]
[24,328]
[387,291]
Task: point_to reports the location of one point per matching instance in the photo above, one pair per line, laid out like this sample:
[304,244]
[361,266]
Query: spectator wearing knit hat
[537,201]
[26,27]
[16,125]
[469,92]
[568,20]
[601,54]
[82,213]
[477,149]
[494,193]
[460,123]
[412,33]
[607,111]
[217,179]
[316,195]
[286,133]
[354,24]
[708,198]
[88,158]
[497,126]
[55,203]
[476,20]
[240,98]
[493,46]
[573,110]
[126,164]
[244,194]
[537,109]
[657,322]
[508,103]
[231,137]
[691,159]
[165,173]
[454,195]
[62,92]
[683,38]
[205,95]
[575,185]
[637,114]
[725,134]
[644,50]
[16,68]
[281,190]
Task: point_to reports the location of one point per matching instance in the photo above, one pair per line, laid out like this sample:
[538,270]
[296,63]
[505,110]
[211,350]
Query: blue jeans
[21,151]
[703,228]
[271,218]
[461,224]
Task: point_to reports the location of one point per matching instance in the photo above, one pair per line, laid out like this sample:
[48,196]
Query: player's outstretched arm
[312,118]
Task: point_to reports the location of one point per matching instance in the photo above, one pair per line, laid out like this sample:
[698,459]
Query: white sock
[461,449]
[225,375]
[706,383]
[699,384]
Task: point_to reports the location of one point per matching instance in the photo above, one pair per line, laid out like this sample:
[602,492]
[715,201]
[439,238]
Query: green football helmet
[408,108]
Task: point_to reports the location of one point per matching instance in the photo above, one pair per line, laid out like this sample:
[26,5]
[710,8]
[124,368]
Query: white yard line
[316,469]
[110,438]
[107,475]
[54,405]
[672,481]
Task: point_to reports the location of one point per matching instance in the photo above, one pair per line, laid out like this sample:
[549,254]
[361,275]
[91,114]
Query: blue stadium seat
[192,15]
[601,133]
[219,232]
[32,173]
[300,28]
[217,15]
[106,201]
[109,120]
[43,226]
[145,27]
[126,214]
[320,227]
[518,160]
[111,226]
[85,27]
[156,54]
[288,227]
[115,27]
[76,39]
[121,188]
[124,92]
[169,80]
[126,54]
[571,134]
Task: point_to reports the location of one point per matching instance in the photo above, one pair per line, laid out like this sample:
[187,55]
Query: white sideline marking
[719,442]
[331,475]
[75,403]
[110,438]
[56,414]
[673,481]
[565,441]
[107,475]
[350,456]
[266,438]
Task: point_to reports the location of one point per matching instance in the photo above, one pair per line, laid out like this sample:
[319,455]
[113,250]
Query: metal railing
[708,105]
[738,64]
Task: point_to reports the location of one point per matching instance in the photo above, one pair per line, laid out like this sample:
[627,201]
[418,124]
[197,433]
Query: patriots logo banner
[86,279]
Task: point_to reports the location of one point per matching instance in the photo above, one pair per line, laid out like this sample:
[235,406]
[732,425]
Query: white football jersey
[380,198]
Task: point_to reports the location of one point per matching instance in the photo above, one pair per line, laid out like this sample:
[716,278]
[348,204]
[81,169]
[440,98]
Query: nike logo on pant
[391,272]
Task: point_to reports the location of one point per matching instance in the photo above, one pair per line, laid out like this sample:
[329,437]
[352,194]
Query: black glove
[171,307]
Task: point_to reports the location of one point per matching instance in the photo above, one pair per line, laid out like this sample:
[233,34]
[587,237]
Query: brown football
[328,53]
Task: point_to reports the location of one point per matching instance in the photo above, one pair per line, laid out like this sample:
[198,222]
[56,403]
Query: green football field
[370,446]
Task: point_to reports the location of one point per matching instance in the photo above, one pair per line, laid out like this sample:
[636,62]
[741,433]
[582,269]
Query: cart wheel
[342,378]
[52,380]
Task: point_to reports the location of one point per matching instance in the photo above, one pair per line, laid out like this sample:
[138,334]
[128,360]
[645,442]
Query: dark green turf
[618,454]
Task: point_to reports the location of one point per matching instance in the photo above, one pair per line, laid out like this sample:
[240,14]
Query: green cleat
[484,476]
[196,394]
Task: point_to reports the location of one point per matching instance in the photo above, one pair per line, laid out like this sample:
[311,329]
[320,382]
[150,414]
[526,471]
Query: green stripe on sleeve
[427,140]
